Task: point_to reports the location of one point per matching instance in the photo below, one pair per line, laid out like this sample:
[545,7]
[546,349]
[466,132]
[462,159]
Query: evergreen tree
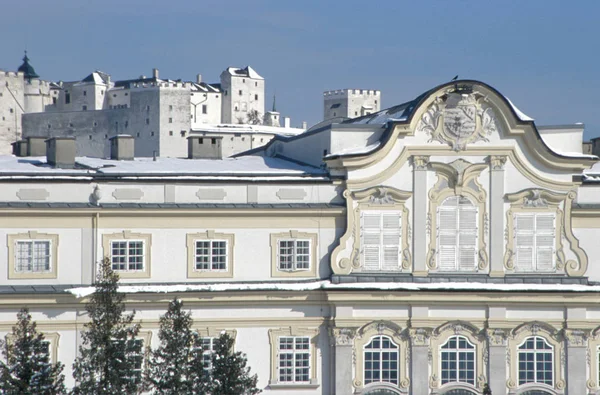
[109,358]
[28,369]
[230,375]
[176,366]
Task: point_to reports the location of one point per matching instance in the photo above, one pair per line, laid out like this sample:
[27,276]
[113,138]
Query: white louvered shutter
[447,234]
[544,242]
[467,235]
[524,242]
[391,240]
[371,240]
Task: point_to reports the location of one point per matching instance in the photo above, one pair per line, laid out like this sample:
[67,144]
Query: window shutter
[524,241]
[391,240]
[467,236]
[544,240]
[447,236]
[371,240]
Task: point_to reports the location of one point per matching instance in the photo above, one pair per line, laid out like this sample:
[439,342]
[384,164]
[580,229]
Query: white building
[429,248]
[243,92]
[350,103]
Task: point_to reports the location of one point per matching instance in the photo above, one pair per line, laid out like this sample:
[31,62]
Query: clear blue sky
[543,54]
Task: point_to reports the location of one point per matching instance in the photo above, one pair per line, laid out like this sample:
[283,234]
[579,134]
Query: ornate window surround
[517,337]
[11,239]
[292,235]
[544,201]
[52,338]
[191,254]
[439,337]
[458,178]
[107,238]
[274,334]
[379,198]
[364,336]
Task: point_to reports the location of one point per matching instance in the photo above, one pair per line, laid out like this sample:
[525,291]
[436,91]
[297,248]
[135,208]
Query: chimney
[286,122]
[60,152]
[155,73]
[19,148]
[205,147]
[304,125]
[36,146]
[122,147]
[198,78]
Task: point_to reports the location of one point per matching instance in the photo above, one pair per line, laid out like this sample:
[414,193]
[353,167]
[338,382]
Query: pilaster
[497,360]
[497,215]
[419,361]
[420,165]
[343,341]
[576,363]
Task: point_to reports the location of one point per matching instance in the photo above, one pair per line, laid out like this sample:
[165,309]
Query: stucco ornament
[343,336]
[459,118]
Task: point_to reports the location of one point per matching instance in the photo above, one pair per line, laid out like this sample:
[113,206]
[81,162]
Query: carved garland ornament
[593,349]
[458,119]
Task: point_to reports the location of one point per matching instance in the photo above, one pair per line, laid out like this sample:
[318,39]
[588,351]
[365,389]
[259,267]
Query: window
[536,361]
[127,255]
[255,97]
[240,92]
[84,108]
[148,108]
[147,121]
[458,361]
[182,133]
[90,137]
[381,363]
[170,120]
[84,93]
[170,108]
[170,132]
[208,349]
[211,255]
[380,239]
[534,242]
[204,109]
[294,359]
[67,98]
[33,256]
[213,141]
[132,349]
[255,83]
[243,80]
[294,255]
[457,234]
[152,134]
[244,106]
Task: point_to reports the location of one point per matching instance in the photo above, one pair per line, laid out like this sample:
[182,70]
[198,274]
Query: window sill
[291,386]
[32,275]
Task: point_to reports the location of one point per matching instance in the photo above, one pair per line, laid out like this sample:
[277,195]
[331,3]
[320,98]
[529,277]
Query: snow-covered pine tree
[109,358]
[254,117]
[230,375]
[176,366]
[28,368]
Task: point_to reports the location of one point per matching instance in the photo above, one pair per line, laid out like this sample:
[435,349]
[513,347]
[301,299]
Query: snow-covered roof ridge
[325,285]
[246,71]
[521,115]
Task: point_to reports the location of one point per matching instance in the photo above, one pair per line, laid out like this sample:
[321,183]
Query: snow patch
[522,116]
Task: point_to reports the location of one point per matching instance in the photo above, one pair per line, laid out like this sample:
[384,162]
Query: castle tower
[36,93]
[272,117]
[243,91]
[27,69]
[350,103]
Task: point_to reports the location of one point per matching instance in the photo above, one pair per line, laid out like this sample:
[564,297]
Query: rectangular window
[127,255]
[84,93]
[534,242]
[211,255]
[32,256]
[133,349]
[170,120]
[208,349]
[204,109]
[147,121]
[255,97]
[293,255]
[67,98]
[457,229]
[294,359]
[380,238]
[240,92]
[84,108]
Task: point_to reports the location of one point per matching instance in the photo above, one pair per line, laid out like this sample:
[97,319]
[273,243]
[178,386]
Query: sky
[543,54]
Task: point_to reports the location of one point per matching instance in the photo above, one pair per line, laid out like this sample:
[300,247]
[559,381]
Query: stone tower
[350,103]
[243,91]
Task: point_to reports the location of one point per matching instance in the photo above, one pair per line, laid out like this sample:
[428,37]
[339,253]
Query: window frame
[274,335]
[32,236]
[380,351]
[534,234]
[297,355]
[210,236]
[536,352]
[457,246]
[382,245]
[457,351]
[127,256]
[295,236]
[126,235]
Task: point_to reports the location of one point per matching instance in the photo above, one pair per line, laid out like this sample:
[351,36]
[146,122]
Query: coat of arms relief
[458,119]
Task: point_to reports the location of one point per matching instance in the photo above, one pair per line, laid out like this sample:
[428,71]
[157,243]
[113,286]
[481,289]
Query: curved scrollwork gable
[571,260]
[346,257]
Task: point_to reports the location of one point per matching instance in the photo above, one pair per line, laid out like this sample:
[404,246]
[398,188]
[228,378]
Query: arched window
[457,234]
[458,361]
[459,391]
[536,361]
[536,392]
[381,361]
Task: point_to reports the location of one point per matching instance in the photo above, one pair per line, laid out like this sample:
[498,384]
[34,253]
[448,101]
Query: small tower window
[84,93]
[255,97]
[240,92]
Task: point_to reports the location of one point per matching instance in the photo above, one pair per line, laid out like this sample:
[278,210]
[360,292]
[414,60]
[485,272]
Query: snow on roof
[247,71]
[247,128]
[356,150]
[396,113]
[522,116]
[254,167]
[81,292]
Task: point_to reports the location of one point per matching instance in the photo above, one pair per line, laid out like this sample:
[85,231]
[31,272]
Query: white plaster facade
[243,91]
[463,148]
[350,103]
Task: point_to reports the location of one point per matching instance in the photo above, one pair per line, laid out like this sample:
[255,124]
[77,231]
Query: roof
[27,69]
[245,72]
[97,77]
[254,168]
[204,87]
